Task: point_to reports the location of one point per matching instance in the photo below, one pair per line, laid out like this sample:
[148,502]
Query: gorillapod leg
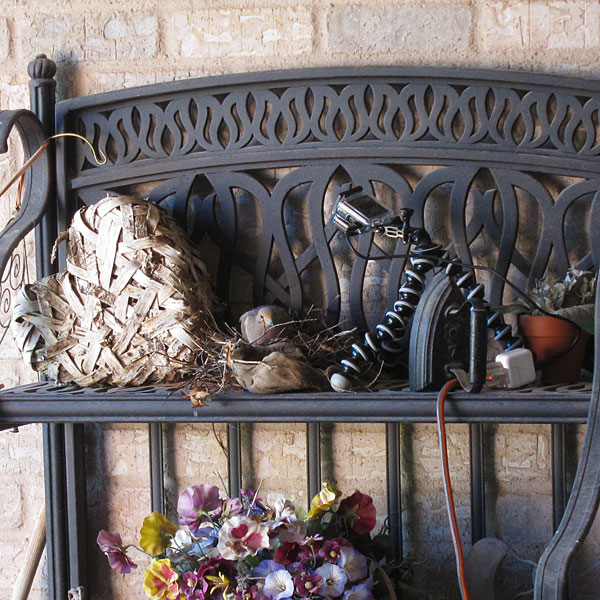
[384,343]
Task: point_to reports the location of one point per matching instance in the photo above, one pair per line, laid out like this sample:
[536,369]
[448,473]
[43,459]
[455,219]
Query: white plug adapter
[519,367]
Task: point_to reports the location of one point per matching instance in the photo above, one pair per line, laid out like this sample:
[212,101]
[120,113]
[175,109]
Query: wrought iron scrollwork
[15,274]
[386,110]
[36,194]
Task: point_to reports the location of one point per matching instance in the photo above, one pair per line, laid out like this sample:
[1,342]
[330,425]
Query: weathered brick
[13,96]
[559,24]
[60,37]
[120,36]
[524,454]
[406,28]
[4,39]
[243,32]
[504,24]
[592,24]
[11,511]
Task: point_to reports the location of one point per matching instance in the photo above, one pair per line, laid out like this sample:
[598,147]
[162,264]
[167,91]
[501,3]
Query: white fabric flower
[334,580]
[182,538]
[278,585]
[240,537]
[284,510]
[286,527]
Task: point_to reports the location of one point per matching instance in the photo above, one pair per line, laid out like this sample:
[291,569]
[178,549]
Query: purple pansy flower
[307,583]
[111,544]
[359,592]
[264,567]
[292,552]
[354,564]
[254,592]
[330,551]
[193,586]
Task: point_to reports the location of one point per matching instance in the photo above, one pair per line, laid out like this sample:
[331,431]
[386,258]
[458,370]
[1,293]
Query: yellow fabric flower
[219,582]
[156,533]
[160,581]
[322,502]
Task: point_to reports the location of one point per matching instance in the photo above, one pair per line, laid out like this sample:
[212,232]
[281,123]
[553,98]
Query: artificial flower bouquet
[243,549]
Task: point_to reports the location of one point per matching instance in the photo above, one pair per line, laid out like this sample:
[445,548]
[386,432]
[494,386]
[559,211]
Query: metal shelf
[50,403]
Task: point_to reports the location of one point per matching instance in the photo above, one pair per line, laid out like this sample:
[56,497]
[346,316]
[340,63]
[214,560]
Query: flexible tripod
[385,342]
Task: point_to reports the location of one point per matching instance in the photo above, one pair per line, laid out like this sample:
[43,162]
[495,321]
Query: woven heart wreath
[134,305]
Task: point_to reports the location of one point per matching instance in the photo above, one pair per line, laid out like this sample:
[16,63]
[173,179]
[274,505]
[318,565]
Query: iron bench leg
[552,570]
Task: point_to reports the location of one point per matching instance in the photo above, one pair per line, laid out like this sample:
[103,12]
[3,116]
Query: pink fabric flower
[111,544]
[231,507]
[359,512]
[195,502]
[240,537]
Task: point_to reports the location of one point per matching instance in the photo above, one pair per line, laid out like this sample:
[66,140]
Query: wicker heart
[128,309]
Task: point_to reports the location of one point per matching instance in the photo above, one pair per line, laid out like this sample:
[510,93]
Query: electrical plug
[511,369]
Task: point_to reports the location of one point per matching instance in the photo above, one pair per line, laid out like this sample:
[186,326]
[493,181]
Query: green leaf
[582,315]
[513,309]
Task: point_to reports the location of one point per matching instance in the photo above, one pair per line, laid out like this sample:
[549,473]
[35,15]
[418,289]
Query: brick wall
[101,45]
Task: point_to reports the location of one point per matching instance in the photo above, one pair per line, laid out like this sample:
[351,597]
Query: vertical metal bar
[42,100]
[42,88]
[394,486]
[157,471]
[313,459]
[477,482]
[76,504]
[55,511]
[234,458]
[559,478]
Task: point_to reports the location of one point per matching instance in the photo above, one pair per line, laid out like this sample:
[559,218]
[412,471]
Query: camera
[357,212]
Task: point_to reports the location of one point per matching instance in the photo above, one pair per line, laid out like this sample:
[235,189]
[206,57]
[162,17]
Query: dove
[262,324]
[279,368]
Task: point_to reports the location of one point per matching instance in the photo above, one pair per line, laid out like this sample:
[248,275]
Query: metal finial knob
[41,67]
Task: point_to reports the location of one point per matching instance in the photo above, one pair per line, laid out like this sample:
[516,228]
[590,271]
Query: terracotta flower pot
[558,346]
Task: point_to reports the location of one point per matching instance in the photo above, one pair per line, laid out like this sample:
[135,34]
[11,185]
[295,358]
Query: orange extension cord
[458,550]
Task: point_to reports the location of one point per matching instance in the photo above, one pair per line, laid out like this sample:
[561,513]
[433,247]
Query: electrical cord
[409,254]
[456,542]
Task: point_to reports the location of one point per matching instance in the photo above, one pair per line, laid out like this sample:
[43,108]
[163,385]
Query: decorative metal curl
[15,274]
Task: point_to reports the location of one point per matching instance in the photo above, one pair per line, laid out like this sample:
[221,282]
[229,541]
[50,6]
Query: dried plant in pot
[557,321]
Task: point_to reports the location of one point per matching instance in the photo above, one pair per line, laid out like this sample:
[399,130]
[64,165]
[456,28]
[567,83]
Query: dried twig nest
[295,357]
[134,305]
